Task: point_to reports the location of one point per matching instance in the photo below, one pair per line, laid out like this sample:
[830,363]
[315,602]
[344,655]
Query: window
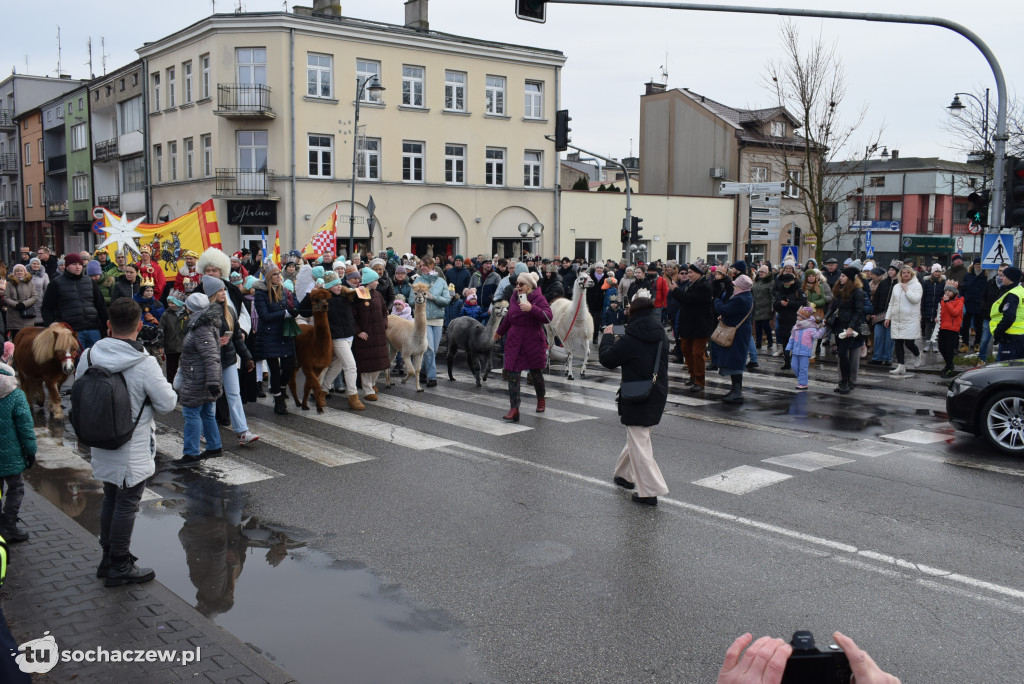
[156,92]
[252,150]
[204,64]
[207,155]
[172,158]
[531,169]
[534,100]
[78,137]
[792,185]
[321,156]
[366,70]
[412,86]
[412,161]
[455,91]
[778,129]
[876,182]
[81,104]
[158,162]
[679,251]
[759,174]
[831,212]
[368,165]
[186,70]
[494,95]
[28,195]
[28,154]
[170,87]
[892,211]
[71,109]
[960,212]
[717,253]
[318,75]
[49,117]
[252,66]
[494,168]
[865,209]
[586,250]
[121,83]
[455,164]
[189,156]
[129,115]
[133,175]
[80,186]
[39,145]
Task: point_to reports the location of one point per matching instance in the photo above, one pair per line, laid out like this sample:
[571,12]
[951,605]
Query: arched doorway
[436,230]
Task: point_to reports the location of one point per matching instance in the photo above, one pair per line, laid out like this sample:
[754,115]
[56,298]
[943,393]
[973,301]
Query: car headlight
[959,385]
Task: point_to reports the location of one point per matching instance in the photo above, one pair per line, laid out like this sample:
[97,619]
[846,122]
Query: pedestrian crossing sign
[997,249]
[790,252]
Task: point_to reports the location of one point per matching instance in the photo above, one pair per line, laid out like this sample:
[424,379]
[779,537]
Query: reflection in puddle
[314,616]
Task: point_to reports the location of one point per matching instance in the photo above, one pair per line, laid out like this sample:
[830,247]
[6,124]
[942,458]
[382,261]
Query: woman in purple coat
[527,345]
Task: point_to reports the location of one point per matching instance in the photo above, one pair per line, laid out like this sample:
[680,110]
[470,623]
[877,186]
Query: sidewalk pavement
[52,587]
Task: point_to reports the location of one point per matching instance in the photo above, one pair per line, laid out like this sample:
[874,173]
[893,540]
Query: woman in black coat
[696,321]
[636,353]
[370,346]
[595,296]
[735,310]
[845,317]
[789,297]
[127,285]
[274,304]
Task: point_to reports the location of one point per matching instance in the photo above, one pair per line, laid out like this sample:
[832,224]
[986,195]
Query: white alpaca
[577,340]
[409,337]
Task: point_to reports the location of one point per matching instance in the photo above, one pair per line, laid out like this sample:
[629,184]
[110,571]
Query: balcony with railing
[243,101]
[7,120]
[106,150]
[10,211]
[8,164]
[245,183]
[928,226]
[57,163]
[56,209]
[111,203]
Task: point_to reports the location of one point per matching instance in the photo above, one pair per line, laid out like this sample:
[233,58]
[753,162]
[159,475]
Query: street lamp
[375,88]
[956,108]
[531,231]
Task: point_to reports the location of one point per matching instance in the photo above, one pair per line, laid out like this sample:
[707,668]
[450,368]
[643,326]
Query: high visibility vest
[997,312]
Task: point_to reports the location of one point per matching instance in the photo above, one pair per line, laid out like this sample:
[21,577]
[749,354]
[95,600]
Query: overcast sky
[904,75]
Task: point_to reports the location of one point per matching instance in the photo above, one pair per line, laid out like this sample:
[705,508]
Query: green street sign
[938,244]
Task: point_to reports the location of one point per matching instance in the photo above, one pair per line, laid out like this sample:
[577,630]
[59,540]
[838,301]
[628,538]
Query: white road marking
[306,445]
[613,387]
[228,469]
[868,447]
[489,398]
[963,463]
[808,461]
[919,436]
[742,480]
[451,416]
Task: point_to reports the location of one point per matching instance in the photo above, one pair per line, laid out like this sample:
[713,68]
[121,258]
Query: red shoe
[513,415]
[540,405]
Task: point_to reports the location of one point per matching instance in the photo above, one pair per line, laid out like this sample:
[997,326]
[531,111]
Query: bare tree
[811,85]
[968,130]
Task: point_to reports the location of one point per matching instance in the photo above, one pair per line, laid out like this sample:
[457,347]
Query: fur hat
[214,257]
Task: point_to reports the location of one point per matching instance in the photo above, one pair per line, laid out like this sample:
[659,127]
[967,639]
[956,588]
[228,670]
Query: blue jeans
[234,398]
[200,419]
[430,356]
[884,343]
[986,340]
[87,338]
[752,349]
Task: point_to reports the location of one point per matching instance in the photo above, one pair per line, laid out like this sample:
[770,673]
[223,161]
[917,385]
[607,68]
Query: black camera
[809,665]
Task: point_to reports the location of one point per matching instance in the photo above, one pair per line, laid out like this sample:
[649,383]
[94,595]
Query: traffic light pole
[999,139]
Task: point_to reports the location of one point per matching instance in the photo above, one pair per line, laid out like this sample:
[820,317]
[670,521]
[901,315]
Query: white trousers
[636,463]
[369,380]
[343,361]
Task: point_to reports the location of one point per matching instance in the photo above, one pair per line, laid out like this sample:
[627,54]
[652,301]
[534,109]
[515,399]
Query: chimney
[652,88]
[327,7]
[416,15]
[895,155]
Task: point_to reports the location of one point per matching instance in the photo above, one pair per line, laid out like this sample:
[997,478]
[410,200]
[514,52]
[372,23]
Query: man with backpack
[114,369]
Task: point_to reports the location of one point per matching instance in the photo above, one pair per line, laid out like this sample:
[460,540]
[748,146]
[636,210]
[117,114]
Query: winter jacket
[612,316]
[150,306]
[17,434]
[41,281]
[200,366]
[459,277]
[880,297]
[386,287]
[660,292]
[269,341]
[819,297]
[453,310]
[931,295]
[371,318]
[831,277]
[595,297]
[22,304]
[135,461]
[849,312]
[635,352]
[951,315]
[801,339]
[437,298]
[973,291]
[473,311]
[171,325]
[339,315]
[957,273]
[527,344]
[732,310]
[696,309]
[122,288]
[992,293]
[235,349]
[551,287]
[763,293]
[794,298]
[403,288]
[568,276]
[75,300]
[904,312]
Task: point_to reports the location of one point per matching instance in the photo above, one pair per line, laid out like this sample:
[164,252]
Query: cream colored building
[453,152]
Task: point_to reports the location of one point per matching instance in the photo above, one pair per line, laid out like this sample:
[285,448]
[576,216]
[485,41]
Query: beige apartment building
[257,111]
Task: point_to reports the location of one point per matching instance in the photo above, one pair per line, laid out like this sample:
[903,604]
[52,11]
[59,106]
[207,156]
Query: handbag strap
[657,361]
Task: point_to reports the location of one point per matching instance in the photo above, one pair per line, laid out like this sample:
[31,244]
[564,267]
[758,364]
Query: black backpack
[101,408]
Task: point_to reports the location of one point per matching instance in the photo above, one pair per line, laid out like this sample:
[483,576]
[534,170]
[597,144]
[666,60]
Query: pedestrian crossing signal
[977,211]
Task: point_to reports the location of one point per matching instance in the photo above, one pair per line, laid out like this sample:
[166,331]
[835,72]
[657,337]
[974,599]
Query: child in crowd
[152,310]
[472,308]
[454,308]
[950,318]
[611,289]
[17,451]
[401,309]
[613,315]
[801,343]
[173,330]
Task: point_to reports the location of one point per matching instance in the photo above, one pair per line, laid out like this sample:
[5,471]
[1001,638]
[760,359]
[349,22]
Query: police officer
[1007,319]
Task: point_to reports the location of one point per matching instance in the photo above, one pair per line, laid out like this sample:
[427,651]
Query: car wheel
[1002,422]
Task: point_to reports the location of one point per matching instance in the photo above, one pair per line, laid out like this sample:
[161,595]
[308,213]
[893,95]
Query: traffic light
[562,129]
[636,236]
[624,233]
[977,210]
[1014,192]
[531,10]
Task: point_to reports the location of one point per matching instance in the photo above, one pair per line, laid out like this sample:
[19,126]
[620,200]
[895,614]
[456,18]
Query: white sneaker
[900,369]
[918,360]
[246,438]
[778,350]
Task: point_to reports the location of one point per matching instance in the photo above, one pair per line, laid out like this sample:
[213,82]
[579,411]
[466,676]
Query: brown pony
[45,356]
[314,351]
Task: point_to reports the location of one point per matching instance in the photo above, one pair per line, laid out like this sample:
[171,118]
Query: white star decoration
[122,232]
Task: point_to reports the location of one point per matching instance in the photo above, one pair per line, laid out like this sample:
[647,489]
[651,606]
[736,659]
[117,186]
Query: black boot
[104,567]
[123,570]
[735,395]
[786,362]
[11,533]
[280,405]
[260,392]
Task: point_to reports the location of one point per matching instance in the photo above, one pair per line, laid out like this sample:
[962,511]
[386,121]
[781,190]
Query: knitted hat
[1012,274]
[250,282]
[171,299]
[338,263]
[851,272]
[400,269]
[951,288]
[527,277]
[72,258]
[936,267]
[34,261]
[288,285]
[318,271]
[235,277]
[93,268]
[197,302]
[857,264]
[211,285]
[805,312]
[380,262]
[368,276]
[470,297]
[458,257]
[740,266]
[331,279]
[742,284]
[521,268]
[957,256]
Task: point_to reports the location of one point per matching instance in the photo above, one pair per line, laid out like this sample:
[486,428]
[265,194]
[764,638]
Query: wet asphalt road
[491,557]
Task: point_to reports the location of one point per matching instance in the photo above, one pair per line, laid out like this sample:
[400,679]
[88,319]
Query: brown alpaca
[314,351]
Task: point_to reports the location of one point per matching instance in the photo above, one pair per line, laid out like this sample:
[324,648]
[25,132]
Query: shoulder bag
[637,391]
[724,334]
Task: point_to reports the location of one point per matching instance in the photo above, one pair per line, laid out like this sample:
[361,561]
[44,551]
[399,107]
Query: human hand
[497,337]
[887,323]
[865,671]
[250,366]
[363,336]
[525,307]
[214,390]
[150,318]
[224,339]
[609,329]
[30,460]
[905,286]
[763,663]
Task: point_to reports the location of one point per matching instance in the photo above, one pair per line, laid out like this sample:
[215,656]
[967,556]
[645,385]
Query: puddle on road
[319,619]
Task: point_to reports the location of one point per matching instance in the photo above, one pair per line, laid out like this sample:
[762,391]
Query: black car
[989,401]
